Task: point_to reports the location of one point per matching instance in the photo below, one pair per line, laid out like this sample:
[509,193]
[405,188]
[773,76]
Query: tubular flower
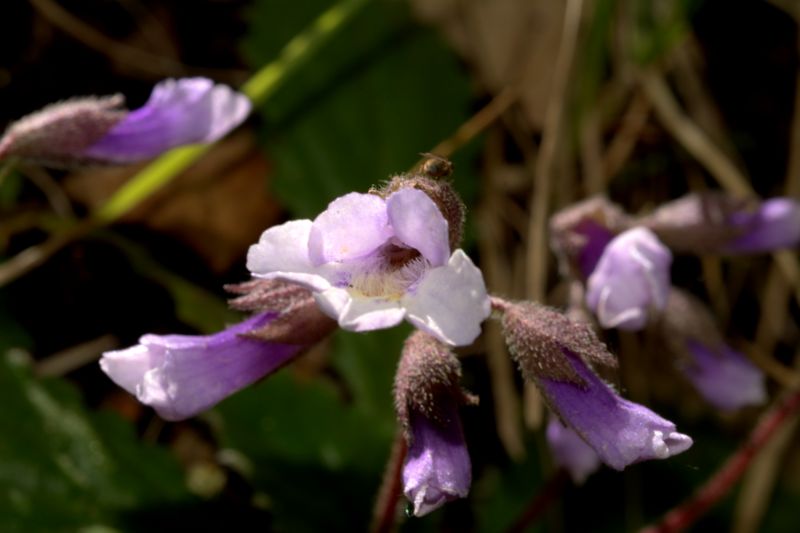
[570,451]
[372,262]
[620,431]
[99,130]
[437,468]
[550,350]
[775,224]
[724,377]
[631,277]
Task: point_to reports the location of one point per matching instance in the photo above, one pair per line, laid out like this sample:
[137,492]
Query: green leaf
[62,469]
[381,93]
[318,460]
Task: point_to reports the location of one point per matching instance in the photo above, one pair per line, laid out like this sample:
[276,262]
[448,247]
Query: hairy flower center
[390,273]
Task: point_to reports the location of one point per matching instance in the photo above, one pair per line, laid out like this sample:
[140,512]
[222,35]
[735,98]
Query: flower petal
[571,452]
[437,467]
[182,375]
[352,226]
[282,253]
[178,112]
[725,377]
[620,431]
[450,302]
[775,225]
[418,223]
[631,276]
[359,314]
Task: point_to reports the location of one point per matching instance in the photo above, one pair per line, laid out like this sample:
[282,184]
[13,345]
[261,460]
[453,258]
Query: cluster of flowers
[619,269]
[370,261]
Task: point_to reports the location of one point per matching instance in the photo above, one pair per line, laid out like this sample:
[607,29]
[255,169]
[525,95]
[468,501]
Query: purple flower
[775,224]
[182,375]
[437,468]
[373,262]
[620,431]
[724,377]
[631,276]
[571,452]
[99,130]
[552,351]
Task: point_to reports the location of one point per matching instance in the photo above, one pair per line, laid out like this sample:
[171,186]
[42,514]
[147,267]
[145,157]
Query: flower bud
[427,395]
[430,180]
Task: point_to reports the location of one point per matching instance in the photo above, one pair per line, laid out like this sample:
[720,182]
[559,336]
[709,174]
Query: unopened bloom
[550,350]
[373,261]
[437,468]
[182,375]
[724,377]
[100,130]
[773,225]
[631,277]
[570,451]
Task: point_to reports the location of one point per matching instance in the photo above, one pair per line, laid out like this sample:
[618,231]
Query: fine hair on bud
[538,337]
[431,179]
[427,380]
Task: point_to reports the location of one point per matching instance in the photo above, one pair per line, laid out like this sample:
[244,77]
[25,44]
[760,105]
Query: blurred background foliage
[305,449]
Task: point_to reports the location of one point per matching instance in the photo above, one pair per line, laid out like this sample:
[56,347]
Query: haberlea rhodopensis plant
[242,306]
[367,262]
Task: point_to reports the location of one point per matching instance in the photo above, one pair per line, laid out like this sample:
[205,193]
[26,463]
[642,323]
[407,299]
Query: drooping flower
[182,375]
[631,277]
[571,452]
[437,467]
[99,130]
[550,350]
[726,378]
[373,261]
[773,225]
[620,431]
[716,222]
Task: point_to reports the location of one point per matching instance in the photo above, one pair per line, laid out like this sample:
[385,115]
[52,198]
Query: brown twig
[729,473]
[478,122]
[384,514]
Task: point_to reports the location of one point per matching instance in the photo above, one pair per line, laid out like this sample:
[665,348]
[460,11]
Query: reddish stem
[385,512]
[723,480]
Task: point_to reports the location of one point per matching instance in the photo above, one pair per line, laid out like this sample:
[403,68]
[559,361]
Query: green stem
[259,89]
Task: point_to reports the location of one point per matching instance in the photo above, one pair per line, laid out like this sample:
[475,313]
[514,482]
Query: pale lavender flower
[570,451]
[775,224]
[437,468]
[99,130]
[631,277]
[724,377]
[182,375]
[620,431]
[373,262]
